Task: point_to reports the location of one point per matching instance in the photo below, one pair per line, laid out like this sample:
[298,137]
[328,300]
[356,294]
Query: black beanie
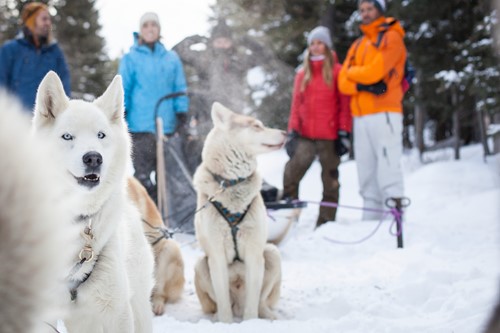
[221,30]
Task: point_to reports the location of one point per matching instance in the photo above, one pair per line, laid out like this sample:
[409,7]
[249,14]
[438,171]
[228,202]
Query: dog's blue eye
[67,136]
[101,135]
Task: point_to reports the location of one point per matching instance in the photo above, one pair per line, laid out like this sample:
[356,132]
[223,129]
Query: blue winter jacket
[147,76]
[22,68]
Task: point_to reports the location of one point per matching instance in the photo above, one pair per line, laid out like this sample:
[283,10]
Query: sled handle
[168,96]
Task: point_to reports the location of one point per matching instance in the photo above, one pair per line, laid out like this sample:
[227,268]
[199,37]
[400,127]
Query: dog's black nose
[92,159]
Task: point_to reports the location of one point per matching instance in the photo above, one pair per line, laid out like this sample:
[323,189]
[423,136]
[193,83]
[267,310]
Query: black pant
[144,159]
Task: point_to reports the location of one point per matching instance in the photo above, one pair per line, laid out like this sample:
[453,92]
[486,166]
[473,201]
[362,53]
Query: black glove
[182,126]
[378,88]
[342,143]
[291,143]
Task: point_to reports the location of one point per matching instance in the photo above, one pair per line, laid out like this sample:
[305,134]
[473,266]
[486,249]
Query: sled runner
[177,196]
[282,215]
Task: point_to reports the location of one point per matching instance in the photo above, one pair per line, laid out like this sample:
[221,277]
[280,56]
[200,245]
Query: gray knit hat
[322,34]
[149,17]
[379,4]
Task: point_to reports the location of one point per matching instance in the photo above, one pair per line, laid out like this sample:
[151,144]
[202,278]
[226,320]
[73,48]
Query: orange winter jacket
[367,64]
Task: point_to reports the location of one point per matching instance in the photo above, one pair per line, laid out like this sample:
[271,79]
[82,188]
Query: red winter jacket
[320,111]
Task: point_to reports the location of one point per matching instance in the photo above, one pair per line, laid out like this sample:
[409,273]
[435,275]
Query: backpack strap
[357,41]
[380,36]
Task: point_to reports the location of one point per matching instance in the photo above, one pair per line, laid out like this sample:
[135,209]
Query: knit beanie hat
[379,4]
[149,17]
[221,30]
[322,34]
[30,12]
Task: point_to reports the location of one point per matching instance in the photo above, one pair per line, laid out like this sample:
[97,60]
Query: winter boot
[145,180]
[326,214]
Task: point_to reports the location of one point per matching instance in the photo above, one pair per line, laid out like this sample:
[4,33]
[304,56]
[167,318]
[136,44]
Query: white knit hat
[379,4]
[149,17]
[322,34]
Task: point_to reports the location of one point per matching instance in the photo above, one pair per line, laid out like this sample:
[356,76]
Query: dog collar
[225,183]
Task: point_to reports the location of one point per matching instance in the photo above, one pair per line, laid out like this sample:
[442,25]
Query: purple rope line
[393,211]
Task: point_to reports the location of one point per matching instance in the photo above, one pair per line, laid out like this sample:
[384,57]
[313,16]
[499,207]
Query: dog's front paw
[224,317]
[266,313]
[250,315]
[158,307]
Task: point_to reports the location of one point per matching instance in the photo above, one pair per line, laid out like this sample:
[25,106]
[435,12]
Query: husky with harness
[240,275]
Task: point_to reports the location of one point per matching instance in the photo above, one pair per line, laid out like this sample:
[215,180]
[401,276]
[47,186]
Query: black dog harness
[74,284]
[233,219]
[158,234]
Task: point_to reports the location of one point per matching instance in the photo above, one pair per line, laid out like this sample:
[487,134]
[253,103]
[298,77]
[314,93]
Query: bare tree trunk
[456,121]
[482,132]
[419,116]
[496,137]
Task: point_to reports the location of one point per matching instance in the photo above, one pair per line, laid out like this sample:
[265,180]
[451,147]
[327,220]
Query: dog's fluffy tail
[36,232]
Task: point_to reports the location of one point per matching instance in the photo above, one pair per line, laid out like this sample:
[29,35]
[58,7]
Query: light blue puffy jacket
[147,76]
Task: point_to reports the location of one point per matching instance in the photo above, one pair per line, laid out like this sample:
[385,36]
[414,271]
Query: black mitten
[291,143]
[342,143]
[181,128]
[378,88]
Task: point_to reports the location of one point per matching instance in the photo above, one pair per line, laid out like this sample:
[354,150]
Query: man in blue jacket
[24,61]
[149,72]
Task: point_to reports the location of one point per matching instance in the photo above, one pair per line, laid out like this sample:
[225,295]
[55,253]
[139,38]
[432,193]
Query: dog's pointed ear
[111,102]
[51,99]
[221,115]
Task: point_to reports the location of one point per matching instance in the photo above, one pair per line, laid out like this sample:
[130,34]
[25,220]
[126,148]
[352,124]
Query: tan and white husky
[169,265]
[240,274]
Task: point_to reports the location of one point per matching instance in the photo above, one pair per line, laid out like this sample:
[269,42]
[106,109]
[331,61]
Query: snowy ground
[446,278]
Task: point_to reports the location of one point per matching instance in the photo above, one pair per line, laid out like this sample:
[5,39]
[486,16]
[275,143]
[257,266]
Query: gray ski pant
[378,149]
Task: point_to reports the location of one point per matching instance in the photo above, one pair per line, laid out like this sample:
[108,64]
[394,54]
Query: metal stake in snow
[395,205]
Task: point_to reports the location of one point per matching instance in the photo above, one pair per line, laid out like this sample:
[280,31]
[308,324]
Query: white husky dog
[111,280]
[240,274]
[36,229]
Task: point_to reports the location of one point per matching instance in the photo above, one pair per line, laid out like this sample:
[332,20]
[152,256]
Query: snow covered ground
[445,279]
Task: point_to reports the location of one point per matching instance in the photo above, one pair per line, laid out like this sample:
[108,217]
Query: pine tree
[451,47]
[10,17]
[8,20]
[77,30]
[280,27]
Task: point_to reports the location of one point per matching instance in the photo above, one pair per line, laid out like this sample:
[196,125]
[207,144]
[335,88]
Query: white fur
[36,231]
[116,296]
[230,288]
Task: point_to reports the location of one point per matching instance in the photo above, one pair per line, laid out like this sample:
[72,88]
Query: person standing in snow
[149,72]
[372,75]
[319,123]
[220,68]
[25,60]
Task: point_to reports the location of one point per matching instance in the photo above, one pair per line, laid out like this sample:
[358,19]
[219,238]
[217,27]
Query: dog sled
[177,196]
